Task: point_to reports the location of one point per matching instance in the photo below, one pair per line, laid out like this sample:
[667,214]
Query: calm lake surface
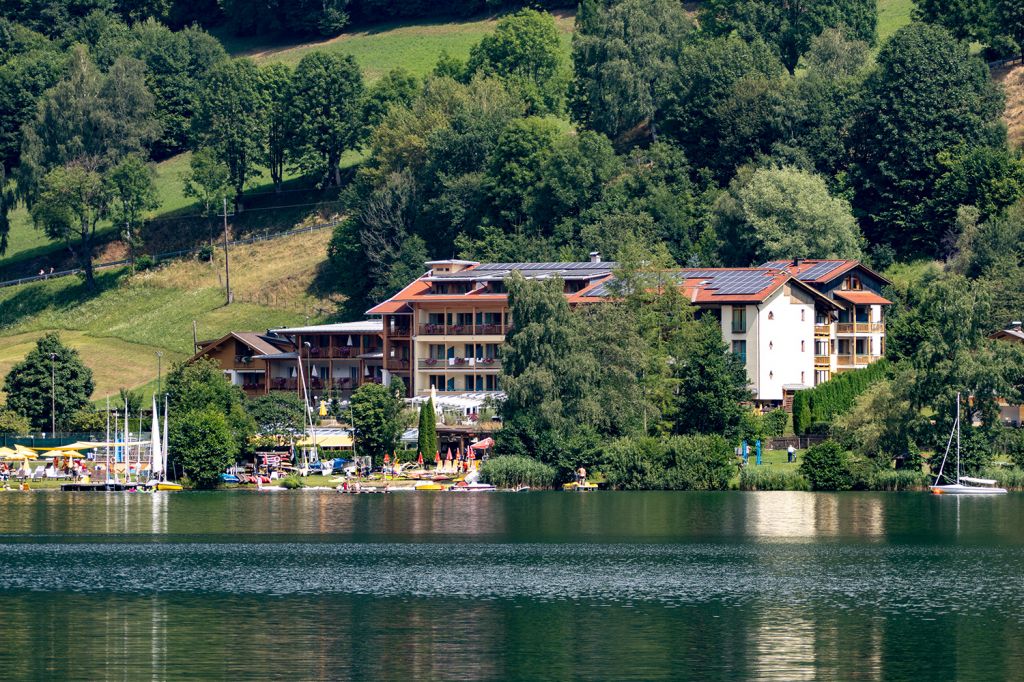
[317,585]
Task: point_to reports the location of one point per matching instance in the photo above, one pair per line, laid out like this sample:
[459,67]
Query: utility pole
[227,268]
[195,337]
[53,393]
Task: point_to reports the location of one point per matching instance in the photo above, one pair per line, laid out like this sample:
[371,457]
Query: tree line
[295,18]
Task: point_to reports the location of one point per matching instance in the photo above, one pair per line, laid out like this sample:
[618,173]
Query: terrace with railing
[458,363]
[462,329]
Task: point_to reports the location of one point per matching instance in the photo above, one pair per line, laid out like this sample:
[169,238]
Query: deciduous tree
[326,105]
[376,411]
[28,384]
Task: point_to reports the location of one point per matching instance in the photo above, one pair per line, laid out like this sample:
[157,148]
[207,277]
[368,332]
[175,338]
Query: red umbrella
[387,458]
[419,459]
[449,454]
[437,456]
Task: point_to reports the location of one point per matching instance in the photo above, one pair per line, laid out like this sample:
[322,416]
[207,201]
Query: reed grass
[768,478]
[515,472]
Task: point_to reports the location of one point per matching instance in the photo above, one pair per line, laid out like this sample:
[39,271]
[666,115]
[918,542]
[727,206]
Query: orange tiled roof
[863,297]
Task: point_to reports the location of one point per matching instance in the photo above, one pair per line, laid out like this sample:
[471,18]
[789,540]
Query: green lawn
[411,46]
[892,15]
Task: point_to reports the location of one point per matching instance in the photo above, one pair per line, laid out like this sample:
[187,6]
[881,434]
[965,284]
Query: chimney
[797,262]
[595,256]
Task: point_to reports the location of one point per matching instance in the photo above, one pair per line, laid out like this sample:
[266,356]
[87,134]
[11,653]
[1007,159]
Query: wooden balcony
[458,364]
[856,360]
[397,364]
[462,329]
[822,361]
[822,330]
[860,328]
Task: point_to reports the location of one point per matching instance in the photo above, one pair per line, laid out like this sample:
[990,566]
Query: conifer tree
[427,442]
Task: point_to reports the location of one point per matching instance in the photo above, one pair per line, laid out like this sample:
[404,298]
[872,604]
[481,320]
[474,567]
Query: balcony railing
[860,327]
[822,360]
[458,363]
[399,331]
[822,329]
[462,329]
[397,364]
[856,360]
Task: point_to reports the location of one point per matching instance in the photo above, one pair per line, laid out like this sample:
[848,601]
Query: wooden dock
[108,487]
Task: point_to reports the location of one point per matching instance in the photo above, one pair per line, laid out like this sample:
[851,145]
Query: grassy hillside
[414,47]
[892,15]
[120,328]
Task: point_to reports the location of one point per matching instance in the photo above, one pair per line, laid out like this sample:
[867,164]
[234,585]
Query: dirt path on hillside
[1012,78]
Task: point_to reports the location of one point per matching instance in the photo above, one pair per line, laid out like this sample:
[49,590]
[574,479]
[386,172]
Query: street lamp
[53,393]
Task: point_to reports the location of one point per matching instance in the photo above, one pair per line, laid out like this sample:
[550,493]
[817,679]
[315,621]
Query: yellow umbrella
[22,450]
[18,457]
[5,451]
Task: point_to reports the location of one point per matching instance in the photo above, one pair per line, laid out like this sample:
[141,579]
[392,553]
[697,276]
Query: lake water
[318,585]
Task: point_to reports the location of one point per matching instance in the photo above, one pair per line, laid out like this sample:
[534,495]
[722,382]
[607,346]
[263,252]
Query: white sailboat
[155,444]
[962,485]
[158,461]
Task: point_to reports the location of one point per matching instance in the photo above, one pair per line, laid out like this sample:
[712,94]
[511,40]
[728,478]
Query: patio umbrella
[437,460]
[419,460]
[22,450]
[5,451]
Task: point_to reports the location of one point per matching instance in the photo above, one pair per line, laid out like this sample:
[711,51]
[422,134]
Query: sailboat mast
[958,439]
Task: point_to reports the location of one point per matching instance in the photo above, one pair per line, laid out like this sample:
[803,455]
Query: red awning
[863,298]
[483,445]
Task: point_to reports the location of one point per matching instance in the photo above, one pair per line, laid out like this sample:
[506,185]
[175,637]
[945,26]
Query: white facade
[779,341]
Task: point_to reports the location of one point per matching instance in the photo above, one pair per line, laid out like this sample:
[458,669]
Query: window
[739,320]
[771,314]
[844,346]
[802,377]
[740,348]
[803,314]
[852,283]
[802,346]
[863,313]
[437,381]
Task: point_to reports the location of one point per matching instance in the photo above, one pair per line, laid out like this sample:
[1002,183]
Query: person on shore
[581,476]
[791,452]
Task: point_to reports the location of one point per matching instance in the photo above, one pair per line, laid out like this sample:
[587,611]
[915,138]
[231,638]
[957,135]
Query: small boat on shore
[584,487]
[961,485]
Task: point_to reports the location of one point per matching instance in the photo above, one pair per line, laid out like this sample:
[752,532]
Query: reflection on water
[310,585]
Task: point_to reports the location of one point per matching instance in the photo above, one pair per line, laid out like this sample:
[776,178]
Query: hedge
[823,403]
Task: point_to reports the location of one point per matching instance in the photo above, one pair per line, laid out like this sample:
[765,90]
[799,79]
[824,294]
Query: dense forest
[746,131]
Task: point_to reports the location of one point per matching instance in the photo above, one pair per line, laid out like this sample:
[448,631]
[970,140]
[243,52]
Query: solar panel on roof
[819,270]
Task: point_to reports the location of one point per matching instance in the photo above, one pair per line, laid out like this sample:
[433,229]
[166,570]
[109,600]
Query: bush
[897,479]
[768,478]
[202,443]
[635,463]
[205,253]
[699,463]
[775,423]
[145,262]
[12,423]
[676,463]
[291,482]
[823,403]
[826,466]
[1007,477]
[515,471]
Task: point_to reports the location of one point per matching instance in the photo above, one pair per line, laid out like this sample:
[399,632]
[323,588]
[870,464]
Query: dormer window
[852,283]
